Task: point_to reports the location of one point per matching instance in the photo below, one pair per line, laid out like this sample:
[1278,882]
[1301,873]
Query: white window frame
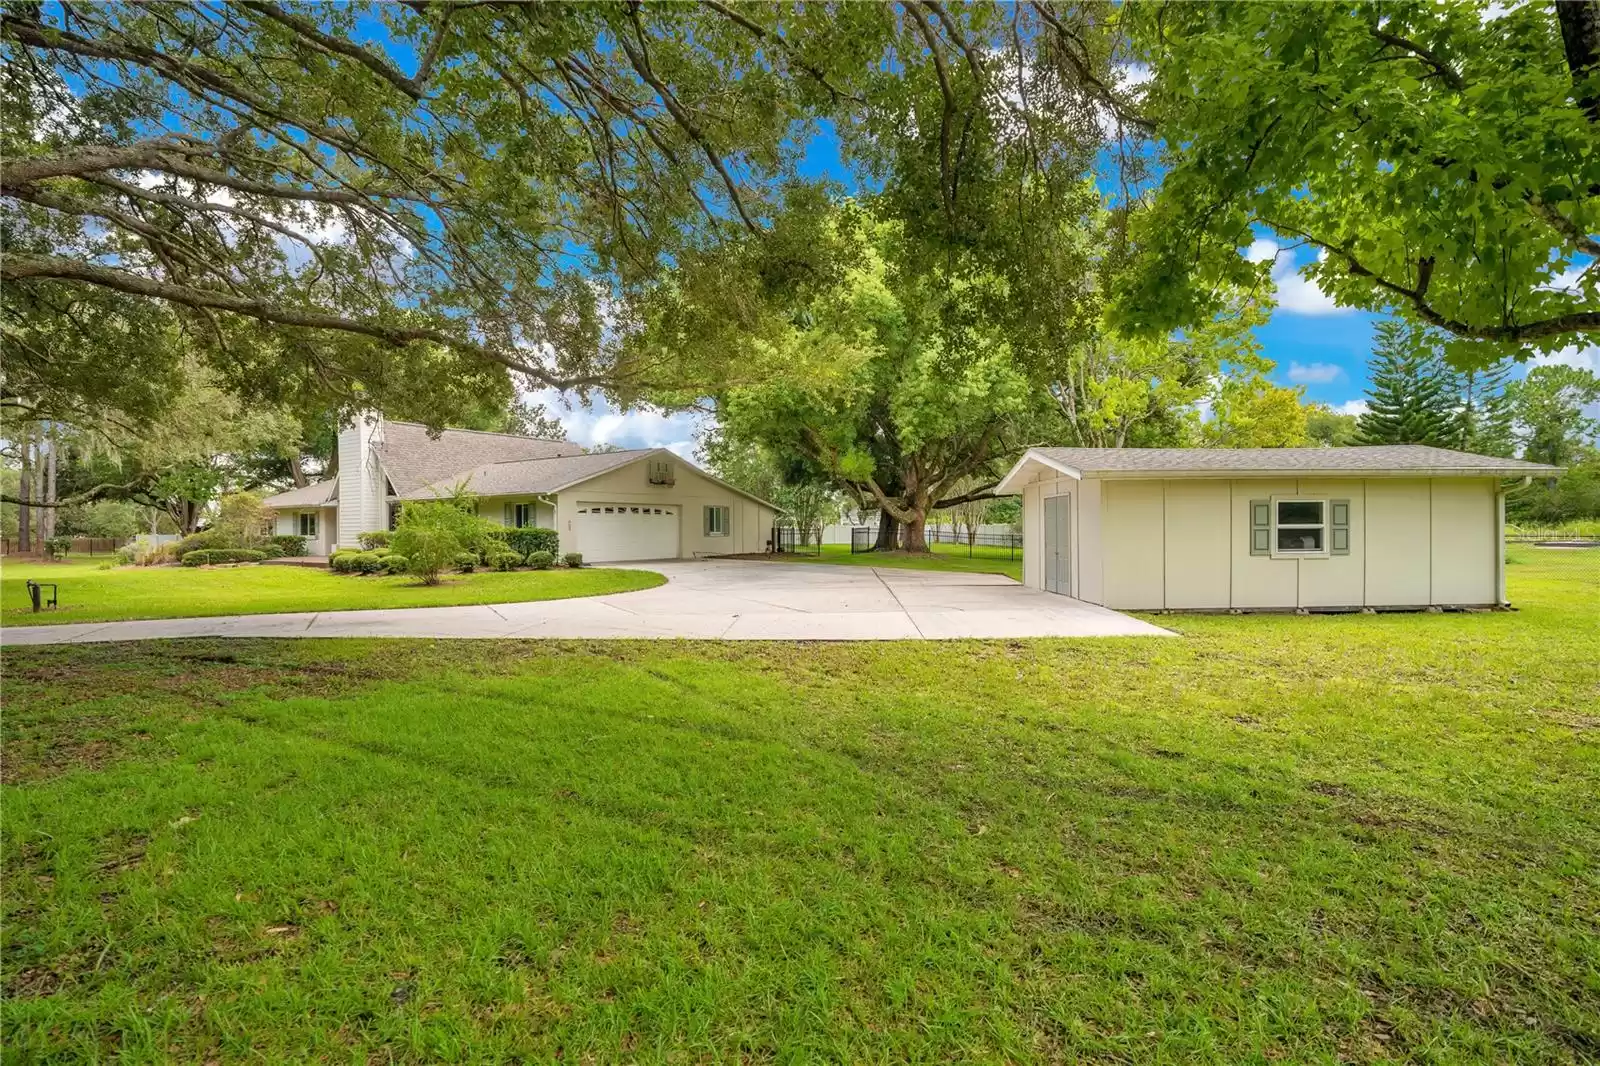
[301,525]
[517,510]
[719,520]
[1326,525]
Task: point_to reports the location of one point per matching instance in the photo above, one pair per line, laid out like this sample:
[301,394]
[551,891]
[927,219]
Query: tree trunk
[297,471]
[1580,36]
[888,532]
[48,518]
[25,493]
[915,537]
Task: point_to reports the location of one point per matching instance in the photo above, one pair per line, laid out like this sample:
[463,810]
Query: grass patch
[89,594]
[985,559]
[1297,839]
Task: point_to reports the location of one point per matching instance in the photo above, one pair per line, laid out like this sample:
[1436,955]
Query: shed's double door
[1057,527]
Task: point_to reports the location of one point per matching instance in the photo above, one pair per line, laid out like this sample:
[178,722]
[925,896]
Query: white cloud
[1584,358]
[1297,293]
[1313,373]
[1568,280]
[598,422]
[1352,407]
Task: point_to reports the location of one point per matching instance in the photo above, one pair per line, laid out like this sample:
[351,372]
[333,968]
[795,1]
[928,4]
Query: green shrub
[242,522]
[396,564]
[343,562]
[367,562]
[540,560]
[292,544]
[377,538]
[572,559]
[271,551]
[125,555]
[432,533]
[196,541]
[57,547]
[465,562]
[215,556]
[503,560]
[532,539]
[488,539]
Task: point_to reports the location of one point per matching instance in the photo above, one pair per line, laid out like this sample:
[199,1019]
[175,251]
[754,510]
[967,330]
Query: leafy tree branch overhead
[1444,159]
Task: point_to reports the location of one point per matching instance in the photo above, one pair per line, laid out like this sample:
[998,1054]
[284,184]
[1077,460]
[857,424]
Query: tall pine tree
[1413,398]
[1484,421]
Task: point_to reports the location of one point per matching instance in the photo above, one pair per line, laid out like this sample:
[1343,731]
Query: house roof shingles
[412,459]
[1382,459]
[316,494]
[527,477]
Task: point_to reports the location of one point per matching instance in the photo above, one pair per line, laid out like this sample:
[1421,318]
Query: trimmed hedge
[213,556]
[291,543]
[271,551]
[532,539]
[395,564]
[466,562]
[503,560]
[196,541]
[572,559]
[377,538]
[541,560]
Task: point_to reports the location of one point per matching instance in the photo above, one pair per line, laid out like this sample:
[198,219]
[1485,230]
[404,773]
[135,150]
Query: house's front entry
[618,532]
[1057,518]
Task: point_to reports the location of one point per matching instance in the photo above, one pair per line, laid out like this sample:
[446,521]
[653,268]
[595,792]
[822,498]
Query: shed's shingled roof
[412,459]
[1386,458]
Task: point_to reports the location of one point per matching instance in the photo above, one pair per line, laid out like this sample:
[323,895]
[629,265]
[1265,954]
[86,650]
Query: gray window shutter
[510,516]
[1339,527]
[705,522]
[1260,527]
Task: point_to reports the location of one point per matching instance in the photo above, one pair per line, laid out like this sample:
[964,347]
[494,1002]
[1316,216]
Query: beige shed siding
[1197,543]
[752,523]
[1185,544]
[1259,581]
[1032,534]
[1398,531]
[1339,580]
[1463,542]
[1133,527]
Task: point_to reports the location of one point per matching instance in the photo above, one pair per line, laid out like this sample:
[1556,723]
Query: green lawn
[89,594]
[1283,839]
[984,559]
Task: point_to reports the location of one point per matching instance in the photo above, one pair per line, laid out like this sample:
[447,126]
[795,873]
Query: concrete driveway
[709,599]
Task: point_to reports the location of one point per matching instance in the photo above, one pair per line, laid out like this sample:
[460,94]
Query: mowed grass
[985,559]
[88,594]
[1282,839]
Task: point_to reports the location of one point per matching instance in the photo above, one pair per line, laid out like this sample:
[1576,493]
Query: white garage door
[616,532]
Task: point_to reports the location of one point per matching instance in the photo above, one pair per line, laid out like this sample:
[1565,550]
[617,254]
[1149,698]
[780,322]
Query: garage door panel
[611,532]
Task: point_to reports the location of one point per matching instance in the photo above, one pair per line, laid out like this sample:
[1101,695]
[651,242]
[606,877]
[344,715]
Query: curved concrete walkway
[711,599]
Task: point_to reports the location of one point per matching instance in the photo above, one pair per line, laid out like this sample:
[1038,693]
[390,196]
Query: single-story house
[1398,526]
[645,503]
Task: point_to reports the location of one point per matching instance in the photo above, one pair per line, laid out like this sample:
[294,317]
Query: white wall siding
[1399,533]
[1259,581]
[1338,580]
[1133,522]
[1464,546]
[1197,544]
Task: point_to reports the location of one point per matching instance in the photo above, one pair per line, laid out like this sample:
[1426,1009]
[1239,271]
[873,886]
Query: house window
[717,521]
[308,523]
[1300,527]
[522,515]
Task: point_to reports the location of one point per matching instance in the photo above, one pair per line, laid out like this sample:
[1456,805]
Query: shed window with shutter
[1300,527]
[717,521]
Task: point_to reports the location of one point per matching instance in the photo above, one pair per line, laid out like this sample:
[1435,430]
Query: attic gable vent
[661,472]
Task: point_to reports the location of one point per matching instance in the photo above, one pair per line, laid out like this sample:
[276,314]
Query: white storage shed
[1397,526]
